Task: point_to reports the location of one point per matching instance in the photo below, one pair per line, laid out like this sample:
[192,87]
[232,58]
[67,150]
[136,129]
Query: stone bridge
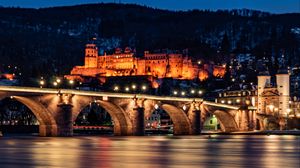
[57,109]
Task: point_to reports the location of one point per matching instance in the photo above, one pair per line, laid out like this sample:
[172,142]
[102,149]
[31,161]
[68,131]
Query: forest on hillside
[50,41]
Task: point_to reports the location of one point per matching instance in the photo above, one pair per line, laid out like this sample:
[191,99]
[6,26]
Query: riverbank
[271,132]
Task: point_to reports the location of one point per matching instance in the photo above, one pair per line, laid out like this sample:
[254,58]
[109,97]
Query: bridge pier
[64,120]
[47,130]
[138,124]
[195,122]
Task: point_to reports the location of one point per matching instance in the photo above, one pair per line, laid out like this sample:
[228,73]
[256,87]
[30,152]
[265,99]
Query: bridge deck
[109,94]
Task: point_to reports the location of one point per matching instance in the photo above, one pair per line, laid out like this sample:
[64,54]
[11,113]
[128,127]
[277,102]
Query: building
[125,63]
[273,99]
[244,96]
[239,94]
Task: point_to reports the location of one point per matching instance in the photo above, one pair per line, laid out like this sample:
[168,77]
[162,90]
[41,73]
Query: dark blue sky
[273,6]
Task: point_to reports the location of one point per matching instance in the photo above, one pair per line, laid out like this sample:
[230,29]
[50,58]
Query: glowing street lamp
[200,92]
[55,84]
[116,88]
[71,82]
[182,93]
[42,83]
[175,92]
[58,80]
[192,91]
[133,87]
[127,89]
[144,87]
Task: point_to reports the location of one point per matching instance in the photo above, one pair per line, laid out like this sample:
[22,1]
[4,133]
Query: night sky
[273,6]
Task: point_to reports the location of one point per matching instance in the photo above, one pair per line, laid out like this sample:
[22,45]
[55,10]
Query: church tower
[91,56]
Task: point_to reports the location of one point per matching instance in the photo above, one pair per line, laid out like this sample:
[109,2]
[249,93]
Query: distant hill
[51,40]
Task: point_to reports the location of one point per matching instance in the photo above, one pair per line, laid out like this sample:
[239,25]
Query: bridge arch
[122,123]
[181,123]
[47,123]
[227,121]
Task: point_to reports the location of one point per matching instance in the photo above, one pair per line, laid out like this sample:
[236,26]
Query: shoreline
[275,132]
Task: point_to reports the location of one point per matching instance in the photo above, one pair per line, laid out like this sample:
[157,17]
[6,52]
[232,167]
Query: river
[227,151]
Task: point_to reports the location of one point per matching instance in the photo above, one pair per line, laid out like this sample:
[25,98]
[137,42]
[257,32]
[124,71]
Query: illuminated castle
[160,65]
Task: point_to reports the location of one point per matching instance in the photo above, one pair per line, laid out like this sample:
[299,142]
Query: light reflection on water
[151,151]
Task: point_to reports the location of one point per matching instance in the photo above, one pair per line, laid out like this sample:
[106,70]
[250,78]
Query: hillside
[51,40]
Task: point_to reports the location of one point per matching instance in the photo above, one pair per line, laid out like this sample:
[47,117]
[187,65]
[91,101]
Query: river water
[227,151]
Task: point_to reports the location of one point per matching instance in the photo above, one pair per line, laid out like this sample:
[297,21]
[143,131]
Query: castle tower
[263,80]
[91,55]
[283,87]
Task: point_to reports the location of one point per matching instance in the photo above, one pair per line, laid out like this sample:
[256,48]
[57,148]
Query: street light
[200,92]
[133,86]
[42,83]
[127,89]
[144,87]
[58,80]
[55,84]
[71,82]
[192,91]
[175,92]
[116,88]
[182,93]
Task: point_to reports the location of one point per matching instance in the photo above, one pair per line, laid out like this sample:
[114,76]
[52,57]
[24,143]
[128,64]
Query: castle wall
[189,70]
[141,67]
[153,64]
[176,63]
[219,71]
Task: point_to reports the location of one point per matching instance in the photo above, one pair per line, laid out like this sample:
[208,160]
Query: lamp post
[175,92]
[55,84]
[116,88]
[42,83]
[71,82]
[192,91]
[144,88]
